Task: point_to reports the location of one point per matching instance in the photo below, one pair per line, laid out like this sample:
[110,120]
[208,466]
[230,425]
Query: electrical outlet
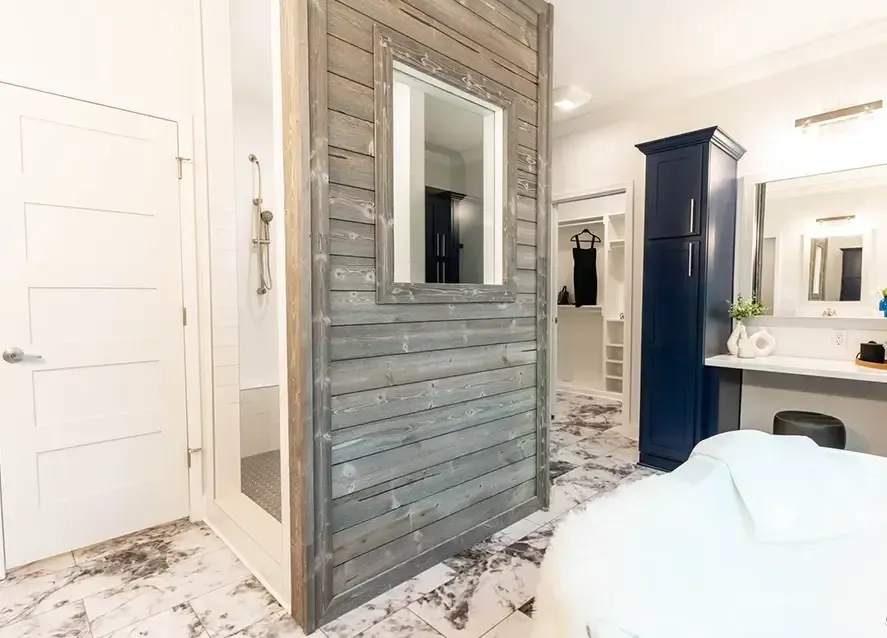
[840,338]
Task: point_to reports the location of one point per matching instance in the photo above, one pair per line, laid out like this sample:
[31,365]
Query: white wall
[136,55]
[760,115]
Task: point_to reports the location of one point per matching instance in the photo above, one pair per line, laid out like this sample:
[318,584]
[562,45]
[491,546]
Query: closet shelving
[591,339]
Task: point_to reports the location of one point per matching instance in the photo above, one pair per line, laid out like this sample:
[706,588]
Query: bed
[754,536]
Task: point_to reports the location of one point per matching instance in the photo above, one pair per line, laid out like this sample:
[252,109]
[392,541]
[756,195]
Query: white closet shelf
[614,376]
[619,361]
[615,345]
[617,243]
[580,222]
[591,309]
[616,320]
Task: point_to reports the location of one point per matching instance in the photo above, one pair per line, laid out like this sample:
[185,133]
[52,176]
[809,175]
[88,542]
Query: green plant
[883,292]
[745,308]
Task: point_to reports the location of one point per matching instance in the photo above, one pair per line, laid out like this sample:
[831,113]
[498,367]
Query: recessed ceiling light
[570,98]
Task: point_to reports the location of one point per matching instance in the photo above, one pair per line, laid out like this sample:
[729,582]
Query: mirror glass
[448,183]
[820,250]
[835,269]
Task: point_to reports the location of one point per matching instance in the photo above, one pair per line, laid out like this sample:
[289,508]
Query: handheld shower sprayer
[262,234]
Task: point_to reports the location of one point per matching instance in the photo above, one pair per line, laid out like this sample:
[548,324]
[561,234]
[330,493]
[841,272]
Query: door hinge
[184,316]
[179,161]
[191,451]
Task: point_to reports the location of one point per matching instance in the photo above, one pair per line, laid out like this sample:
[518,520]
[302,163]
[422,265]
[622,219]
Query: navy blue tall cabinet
[689,244]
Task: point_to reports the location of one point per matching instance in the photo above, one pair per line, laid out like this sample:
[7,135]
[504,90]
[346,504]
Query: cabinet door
[670,349]
[674,193]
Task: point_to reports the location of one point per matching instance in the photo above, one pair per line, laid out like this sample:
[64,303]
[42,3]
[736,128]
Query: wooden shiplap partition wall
[429,421]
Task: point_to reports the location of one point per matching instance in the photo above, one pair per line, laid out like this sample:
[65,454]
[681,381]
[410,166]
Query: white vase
[769,342]
[733,342]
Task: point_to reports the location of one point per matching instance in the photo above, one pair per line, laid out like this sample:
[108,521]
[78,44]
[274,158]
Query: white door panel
[93,439]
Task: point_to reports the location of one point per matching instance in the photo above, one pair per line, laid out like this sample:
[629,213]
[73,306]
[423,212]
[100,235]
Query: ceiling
[251,48]
[624,49]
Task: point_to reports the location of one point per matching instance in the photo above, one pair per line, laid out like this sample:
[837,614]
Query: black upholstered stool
[826,431]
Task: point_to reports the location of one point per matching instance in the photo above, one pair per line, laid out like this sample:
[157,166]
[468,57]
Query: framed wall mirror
[821,244]
[445,182]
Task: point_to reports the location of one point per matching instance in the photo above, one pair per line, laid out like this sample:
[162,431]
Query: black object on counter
[872,352]
[585,270]
[563,298]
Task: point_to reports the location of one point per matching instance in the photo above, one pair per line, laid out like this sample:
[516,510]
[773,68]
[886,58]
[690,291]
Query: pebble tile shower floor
[180,581]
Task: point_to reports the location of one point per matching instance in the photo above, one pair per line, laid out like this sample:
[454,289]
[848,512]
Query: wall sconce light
[839,220]
[847,113]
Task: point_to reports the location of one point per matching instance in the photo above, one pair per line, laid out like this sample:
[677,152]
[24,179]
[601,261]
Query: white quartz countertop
[801,366]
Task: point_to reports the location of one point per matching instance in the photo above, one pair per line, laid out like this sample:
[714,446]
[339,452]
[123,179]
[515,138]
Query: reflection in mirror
[835,269]
[823,244]
[448,183]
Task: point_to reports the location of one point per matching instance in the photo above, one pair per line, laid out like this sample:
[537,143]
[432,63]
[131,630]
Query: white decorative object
[769,342]
[733,341]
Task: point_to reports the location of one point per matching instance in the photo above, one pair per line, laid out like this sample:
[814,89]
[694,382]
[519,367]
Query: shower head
[266,216]
[253,158]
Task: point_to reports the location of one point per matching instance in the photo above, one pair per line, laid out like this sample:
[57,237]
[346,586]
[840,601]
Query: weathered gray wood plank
[526,233]
[526,281]
[368,471]
[355,508]
[354,204]
[347,24]
[418,26]
[526,184]
[355,308]
[319,545]
[504,19]
[386,403]
[373,438]
[347,96]
[348,61]
[403,549]
[355,276]
[543,290]
[351,169]
[466,23]
[351,133]
[523,9]
[526,209]
[526,257]
[351,239]
[356,342]
[357,375]
[295,97]
[526,133]
[526,159]
[483,529]
[367,536]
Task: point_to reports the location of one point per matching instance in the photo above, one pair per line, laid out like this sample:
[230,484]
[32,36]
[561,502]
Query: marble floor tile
[533,547]
[369,614]
[39,593]
[68,620]
[599,445]
[277,625]
[145,597]
[122,544]
[515,532]
[178,622]
[515,626]
[174,543]
[39,568]
[480,597]
[528,608]
[403,624]
[587,411]
[235,607]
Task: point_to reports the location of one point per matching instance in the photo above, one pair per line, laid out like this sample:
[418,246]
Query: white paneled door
[93,440]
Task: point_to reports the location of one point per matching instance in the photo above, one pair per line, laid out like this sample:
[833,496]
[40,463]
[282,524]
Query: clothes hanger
[594,238]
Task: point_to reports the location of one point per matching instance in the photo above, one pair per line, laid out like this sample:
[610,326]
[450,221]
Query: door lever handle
[15,355]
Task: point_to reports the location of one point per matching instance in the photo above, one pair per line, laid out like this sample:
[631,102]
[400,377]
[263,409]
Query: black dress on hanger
[585,270]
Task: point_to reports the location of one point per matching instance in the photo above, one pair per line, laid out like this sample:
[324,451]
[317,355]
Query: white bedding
[679,555]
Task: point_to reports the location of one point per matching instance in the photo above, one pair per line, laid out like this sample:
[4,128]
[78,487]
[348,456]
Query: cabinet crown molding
[712,134]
